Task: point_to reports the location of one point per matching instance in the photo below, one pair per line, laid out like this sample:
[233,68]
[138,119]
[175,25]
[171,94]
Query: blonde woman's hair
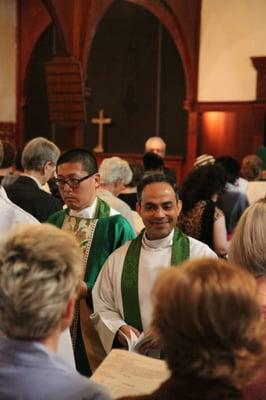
[247,247]
[39,273]
[208,320]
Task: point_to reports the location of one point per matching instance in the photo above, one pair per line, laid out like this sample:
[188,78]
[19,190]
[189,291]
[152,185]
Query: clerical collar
[158,243]
[87,212]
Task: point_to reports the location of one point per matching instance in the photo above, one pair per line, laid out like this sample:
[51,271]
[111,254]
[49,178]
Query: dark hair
[152,162]
[137,171]
[18,163]
[231,167]
[9,154]
[83,156]
[201,184]
[158,177]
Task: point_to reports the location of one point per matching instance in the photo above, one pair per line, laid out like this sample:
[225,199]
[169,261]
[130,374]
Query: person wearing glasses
[99,230]
[38,160]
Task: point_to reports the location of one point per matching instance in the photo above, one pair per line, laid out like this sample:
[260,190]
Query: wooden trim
[259,63]
[7,130]
[232,106]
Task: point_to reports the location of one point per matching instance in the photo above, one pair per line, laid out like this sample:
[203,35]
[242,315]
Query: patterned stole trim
[129,280]
[86,251]
[102,209]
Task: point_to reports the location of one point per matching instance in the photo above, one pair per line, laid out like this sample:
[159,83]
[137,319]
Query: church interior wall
[231,33]
[232,121]
[8,61]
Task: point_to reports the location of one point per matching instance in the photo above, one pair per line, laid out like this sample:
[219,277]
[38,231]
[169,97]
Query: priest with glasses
[99,230]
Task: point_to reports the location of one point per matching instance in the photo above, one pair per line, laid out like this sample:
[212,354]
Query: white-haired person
[247,249]
[38,159]
[115,174]
[39,282]
[211,346]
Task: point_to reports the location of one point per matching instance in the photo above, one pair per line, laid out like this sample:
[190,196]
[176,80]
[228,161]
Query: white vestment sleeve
[107,300]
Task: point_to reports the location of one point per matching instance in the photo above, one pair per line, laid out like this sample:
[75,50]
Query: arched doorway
[136,75]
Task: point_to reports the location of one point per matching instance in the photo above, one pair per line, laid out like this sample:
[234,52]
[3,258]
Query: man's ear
[97,179]
[179,206]
[138,208]
[47,166]
[68,314]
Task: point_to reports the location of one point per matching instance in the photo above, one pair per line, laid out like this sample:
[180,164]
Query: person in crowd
[211,346]
[129,193]
[99,229]
[11,215]
[152,162]
[39,280]
[7,166]
[121,295]
[247,249]
[39,158]
[235,182]
[115,173]
[155,144]
[200,217]
[251,170]
[233,201]
[204,159]
[251,167]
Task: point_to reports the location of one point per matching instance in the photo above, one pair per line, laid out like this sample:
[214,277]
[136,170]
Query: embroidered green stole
[129,280]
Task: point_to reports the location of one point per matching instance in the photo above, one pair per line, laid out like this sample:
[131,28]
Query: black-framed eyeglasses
[72,182]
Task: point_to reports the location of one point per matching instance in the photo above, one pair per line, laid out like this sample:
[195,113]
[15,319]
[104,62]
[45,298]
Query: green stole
[129,280]
[102,209]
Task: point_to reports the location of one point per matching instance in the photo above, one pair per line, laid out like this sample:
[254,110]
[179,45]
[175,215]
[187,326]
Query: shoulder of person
[57,216]
[199,249]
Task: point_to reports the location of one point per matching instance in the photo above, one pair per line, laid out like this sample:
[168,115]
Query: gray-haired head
[113,170]
[39,273]
[38,152]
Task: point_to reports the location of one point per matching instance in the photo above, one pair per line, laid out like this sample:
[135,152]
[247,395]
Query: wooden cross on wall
[100,121]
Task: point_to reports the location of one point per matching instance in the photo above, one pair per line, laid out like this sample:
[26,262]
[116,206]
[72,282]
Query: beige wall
[7,60]
[231,32]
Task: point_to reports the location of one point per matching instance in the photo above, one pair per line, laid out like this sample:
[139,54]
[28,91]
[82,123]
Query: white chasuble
[155,255]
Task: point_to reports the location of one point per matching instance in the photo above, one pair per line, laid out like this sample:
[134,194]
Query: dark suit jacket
[26,194]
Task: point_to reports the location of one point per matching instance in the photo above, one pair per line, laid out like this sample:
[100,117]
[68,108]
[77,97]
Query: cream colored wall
[231,32]
[7,60]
